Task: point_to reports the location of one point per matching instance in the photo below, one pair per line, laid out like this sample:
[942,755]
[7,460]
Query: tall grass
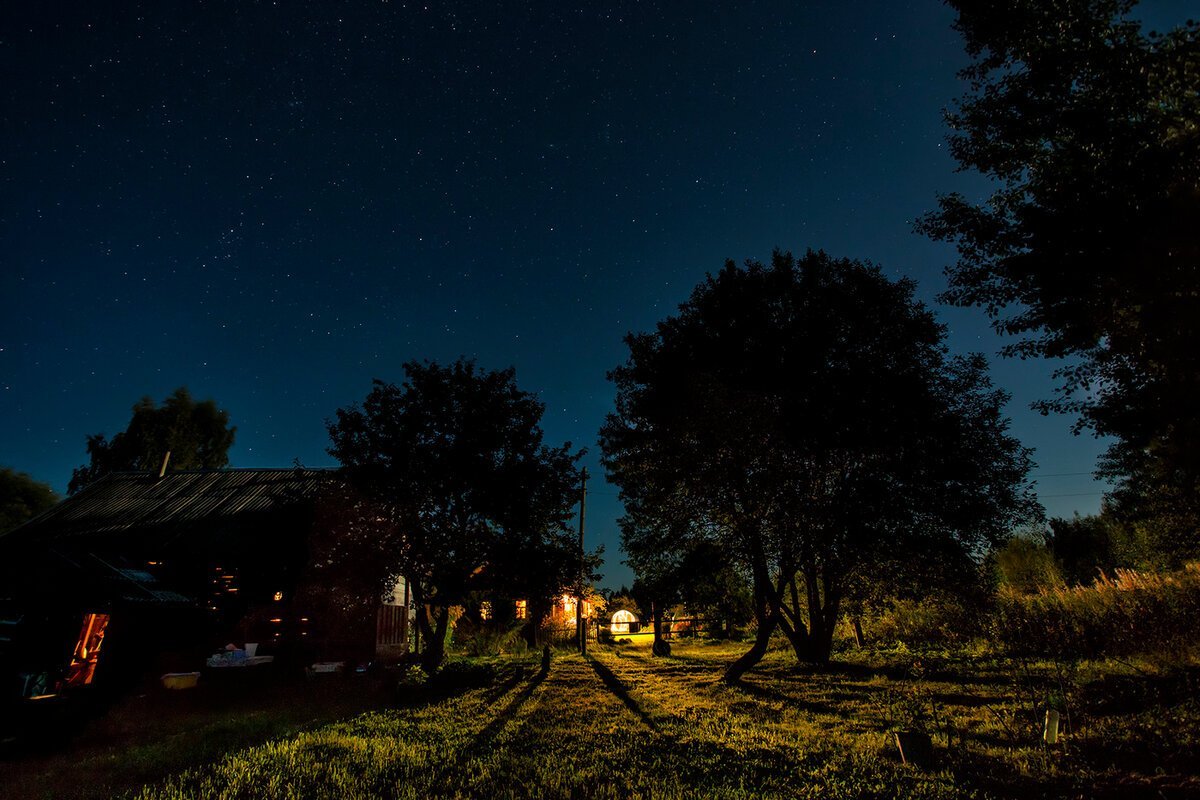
[1123,614]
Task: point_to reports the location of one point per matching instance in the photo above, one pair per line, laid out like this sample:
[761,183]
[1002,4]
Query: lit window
[522,609]
[278,596]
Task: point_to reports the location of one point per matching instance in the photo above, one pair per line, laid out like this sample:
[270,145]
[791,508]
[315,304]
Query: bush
[1025,565]
[489,642]
[934,620]
[464,675]
[1130,613]
[412,675]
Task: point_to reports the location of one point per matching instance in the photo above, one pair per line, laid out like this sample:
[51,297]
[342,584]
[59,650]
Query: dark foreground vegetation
[622,723]
[1116,659]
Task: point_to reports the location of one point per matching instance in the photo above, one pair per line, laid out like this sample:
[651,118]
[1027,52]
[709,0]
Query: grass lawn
[621,723]
[154,733]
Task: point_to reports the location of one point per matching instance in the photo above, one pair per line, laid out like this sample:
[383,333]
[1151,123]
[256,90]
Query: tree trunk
[767,616]
[791,623]
[435,643]
[661,646]
[822,616]
[860,639]
[755,654]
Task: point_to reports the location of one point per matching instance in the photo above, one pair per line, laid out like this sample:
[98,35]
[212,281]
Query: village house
[142,571]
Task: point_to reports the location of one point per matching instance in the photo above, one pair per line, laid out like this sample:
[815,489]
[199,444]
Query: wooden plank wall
[391,626]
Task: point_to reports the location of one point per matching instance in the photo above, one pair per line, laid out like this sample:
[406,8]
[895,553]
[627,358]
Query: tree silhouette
[452,462]
[807,418]
[198,435]
[22,498]
[1087,247]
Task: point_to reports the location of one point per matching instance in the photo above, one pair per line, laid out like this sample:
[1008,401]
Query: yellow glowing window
[522,610]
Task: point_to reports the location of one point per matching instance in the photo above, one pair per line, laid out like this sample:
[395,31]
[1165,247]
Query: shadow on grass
[146,737]
[483,740]
[482,743]
[791,700]
[615,685]
[946,673]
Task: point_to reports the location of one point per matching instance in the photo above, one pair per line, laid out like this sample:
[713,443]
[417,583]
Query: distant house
[138,567]
[559,619]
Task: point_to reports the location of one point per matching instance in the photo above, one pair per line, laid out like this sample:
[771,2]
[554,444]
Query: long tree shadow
[618,688]
[790,700]
[483,740]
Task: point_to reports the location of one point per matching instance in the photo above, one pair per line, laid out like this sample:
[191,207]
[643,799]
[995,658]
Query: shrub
[934,620]
[487,641]
[1025,565]
[465,675]
[412,675]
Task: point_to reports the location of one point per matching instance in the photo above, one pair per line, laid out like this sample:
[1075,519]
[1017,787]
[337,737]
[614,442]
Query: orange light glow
[82,669]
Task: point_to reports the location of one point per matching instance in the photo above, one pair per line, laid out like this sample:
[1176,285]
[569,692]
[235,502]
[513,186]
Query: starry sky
[273,203]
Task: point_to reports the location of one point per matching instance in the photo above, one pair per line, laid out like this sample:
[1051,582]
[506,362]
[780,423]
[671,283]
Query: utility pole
[580,630]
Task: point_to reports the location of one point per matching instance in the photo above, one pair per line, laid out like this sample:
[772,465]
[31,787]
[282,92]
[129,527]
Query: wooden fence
[391,626]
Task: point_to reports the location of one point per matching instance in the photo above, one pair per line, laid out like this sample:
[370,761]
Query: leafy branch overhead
[1086,248]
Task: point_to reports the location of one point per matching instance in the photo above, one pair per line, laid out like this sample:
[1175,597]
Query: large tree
[22,498]
[1087,247]
[452,460]
[806,416]
[197,434]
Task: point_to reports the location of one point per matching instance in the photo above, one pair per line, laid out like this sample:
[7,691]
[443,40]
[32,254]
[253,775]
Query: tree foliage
[806,417]
[469,498]
[350,565]
[197,433]
[1087,247]
[22,498]
[715,587]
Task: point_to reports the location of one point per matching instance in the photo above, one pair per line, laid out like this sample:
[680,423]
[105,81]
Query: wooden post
[407,613]
[860,640]
[580,630]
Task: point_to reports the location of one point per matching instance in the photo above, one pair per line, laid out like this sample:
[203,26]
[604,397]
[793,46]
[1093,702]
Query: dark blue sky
[274,203]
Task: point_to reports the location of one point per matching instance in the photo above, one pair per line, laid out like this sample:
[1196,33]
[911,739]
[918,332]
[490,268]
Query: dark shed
[136,566]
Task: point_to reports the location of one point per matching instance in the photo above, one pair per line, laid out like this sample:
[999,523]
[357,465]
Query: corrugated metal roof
[124,501]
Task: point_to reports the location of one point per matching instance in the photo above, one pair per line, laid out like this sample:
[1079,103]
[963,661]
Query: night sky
[275,202]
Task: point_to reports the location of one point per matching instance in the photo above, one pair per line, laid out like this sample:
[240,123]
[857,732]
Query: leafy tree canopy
[22,498]
[197,433]
[1087,247]
[452,461]
[806,417]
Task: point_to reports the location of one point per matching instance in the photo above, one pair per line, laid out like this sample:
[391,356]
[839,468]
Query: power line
[1060,474]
